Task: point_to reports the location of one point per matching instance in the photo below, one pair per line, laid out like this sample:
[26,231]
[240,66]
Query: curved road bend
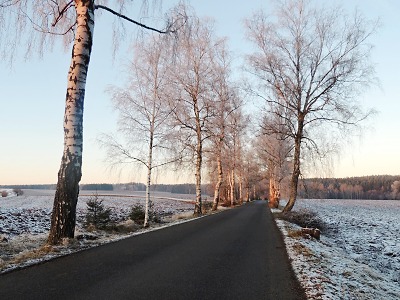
[236,254]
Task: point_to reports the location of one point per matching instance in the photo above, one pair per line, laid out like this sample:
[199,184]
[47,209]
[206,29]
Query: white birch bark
[232,186]
[69,175]
[220,177]
[149,169]
[199,160]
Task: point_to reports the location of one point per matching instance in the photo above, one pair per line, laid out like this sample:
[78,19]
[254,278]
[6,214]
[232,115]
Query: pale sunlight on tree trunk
[274,149]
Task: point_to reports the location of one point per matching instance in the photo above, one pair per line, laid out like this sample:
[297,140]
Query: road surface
[236,254]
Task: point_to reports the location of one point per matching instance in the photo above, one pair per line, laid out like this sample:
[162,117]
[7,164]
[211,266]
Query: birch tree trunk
[247,192]
[296,165]
[199,150]
[149,167]
[241,189]
[219,182]
[274,192]
[232,186]
[66,197]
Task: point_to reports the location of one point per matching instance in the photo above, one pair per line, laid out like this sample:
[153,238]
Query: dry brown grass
[303,250]
[26,255]
[304,218]
[182,216]
[295,233]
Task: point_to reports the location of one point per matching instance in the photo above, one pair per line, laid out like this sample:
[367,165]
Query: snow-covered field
[358,255]
[25,221]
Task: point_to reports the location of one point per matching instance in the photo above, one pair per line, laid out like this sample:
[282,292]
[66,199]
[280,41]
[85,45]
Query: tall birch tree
[274,150]
[143,113]
[315,59]
[226,102]
[34,24]
[237,124]
[191,80]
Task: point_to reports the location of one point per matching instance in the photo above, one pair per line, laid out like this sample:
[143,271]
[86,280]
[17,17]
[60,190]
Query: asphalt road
[236,254]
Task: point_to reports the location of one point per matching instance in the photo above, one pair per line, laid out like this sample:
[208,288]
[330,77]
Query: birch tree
[316,60]
[237,124]
[226,102]
[34,24]
[191,80]
[251,171]
[143,113]
[274,150]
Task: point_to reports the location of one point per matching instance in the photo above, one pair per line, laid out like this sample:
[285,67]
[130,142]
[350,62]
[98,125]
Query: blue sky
[33,92]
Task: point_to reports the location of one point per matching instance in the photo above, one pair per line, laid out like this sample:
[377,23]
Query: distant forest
[378,187]
[185,188]
[30,186]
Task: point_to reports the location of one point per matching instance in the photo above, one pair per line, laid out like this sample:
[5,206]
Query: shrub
[18,192]
[304,218]
[4,193]
[226,202]
[137,213]
[97,215]
[206,206]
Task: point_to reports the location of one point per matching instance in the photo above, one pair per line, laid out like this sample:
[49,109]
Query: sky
[33,95]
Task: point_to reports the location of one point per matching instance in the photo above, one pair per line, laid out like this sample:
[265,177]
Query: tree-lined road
[236,254]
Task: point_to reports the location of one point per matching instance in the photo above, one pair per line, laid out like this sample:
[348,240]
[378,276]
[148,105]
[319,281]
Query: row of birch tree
[310,66]
[180,107]
[181,103]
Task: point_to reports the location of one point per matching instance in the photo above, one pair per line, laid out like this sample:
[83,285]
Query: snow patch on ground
[25,222]
[358,256]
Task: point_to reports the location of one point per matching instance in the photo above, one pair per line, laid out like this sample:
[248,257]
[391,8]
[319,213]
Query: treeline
[184,188]
[97,187]
[30,186]
[377,187]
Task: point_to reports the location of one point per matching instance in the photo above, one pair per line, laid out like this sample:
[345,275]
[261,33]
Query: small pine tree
[137,214]
[97,215]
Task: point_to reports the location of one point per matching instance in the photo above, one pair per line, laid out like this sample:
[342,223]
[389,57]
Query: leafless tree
[274,149]
[237,124]
[226,102]
[143,113]
[34,25]
[251,171]
[192,78]
[311,62]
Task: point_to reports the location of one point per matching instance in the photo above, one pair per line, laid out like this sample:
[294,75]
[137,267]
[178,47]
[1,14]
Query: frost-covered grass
[25,222]
[358,256]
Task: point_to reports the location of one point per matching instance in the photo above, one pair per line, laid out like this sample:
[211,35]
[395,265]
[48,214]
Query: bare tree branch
[168,30]
[62,11]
